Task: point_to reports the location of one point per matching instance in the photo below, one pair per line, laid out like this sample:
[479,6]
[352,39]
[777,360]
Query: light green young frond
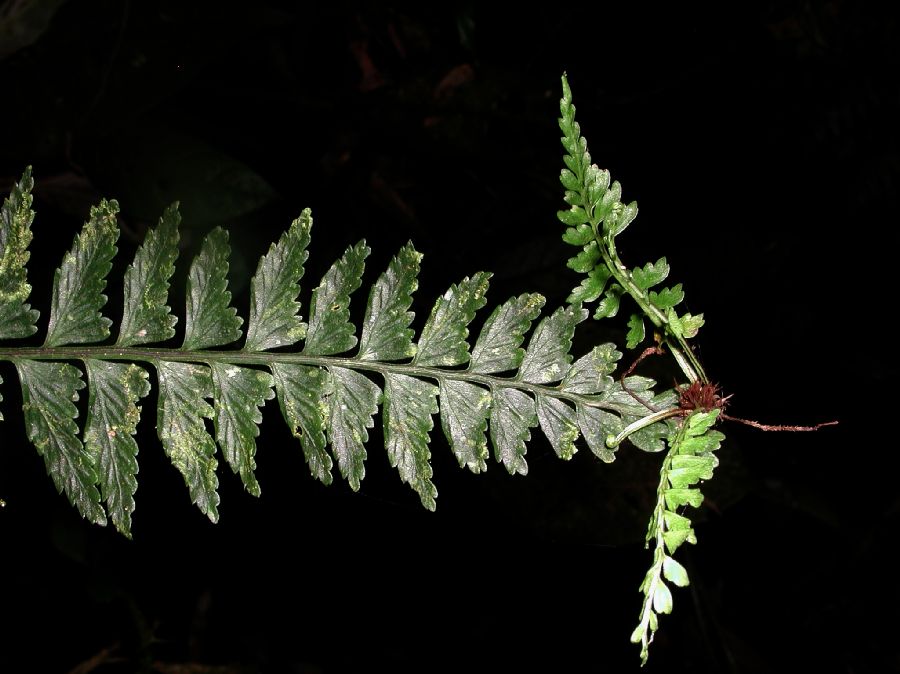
[689,461]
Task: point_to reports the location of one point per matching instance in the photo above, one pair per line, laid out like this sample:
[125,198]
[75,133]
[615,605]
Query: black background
[760,141]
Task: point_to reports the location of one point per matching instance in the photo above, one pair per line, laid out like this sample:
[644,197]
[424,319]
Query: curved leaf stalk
[613,441]
[689,460]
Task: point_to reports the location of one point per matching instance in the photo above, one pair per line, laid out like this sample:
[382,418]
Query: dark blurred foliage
[760,140]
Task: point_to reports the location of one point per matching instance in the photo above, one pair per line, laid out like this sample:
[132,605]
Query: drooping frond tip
[689,461]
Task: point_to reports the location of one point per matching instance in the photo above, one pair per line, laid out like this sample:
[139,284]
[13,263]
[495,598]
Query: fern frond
[327,394]
[595,217]
[689,460]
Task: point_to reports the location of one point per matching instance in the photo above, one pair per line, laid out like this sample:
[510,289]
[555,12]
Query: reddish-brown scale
[700,396]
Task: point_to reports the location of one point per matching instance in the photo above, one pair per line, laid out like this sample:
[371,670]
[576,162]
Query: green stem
[614,441]
[151,355]
[682,353]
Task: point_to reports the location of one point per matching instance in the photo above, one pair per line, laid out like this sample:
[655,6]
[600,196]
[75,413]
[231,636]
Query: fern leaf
[637,401]
[686,325]
[146,317]
[494,393]
[547,357]
[443,339]
[17,318]
[677,530]
[590,373]
[651,274]
[606,204]
[386,335]
[351,410]
[596,425]
[586,260]
[49,393]
[330,330]
[667,297]
[209,318]
[239,393]
[408,406]
[327,398]
[465,409]
[620,216]
[609,305]
[274,319]
[689,461]
[498,346]
[636,332]
[79,281]
[578,234]
[183,391]
[591,287]
[512,415]
[302,392]
[114,389]
[557,420]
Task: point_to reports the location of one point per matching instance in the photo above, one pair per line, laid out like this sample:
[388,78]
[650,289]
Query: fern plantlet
[594,219]
[330,378]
